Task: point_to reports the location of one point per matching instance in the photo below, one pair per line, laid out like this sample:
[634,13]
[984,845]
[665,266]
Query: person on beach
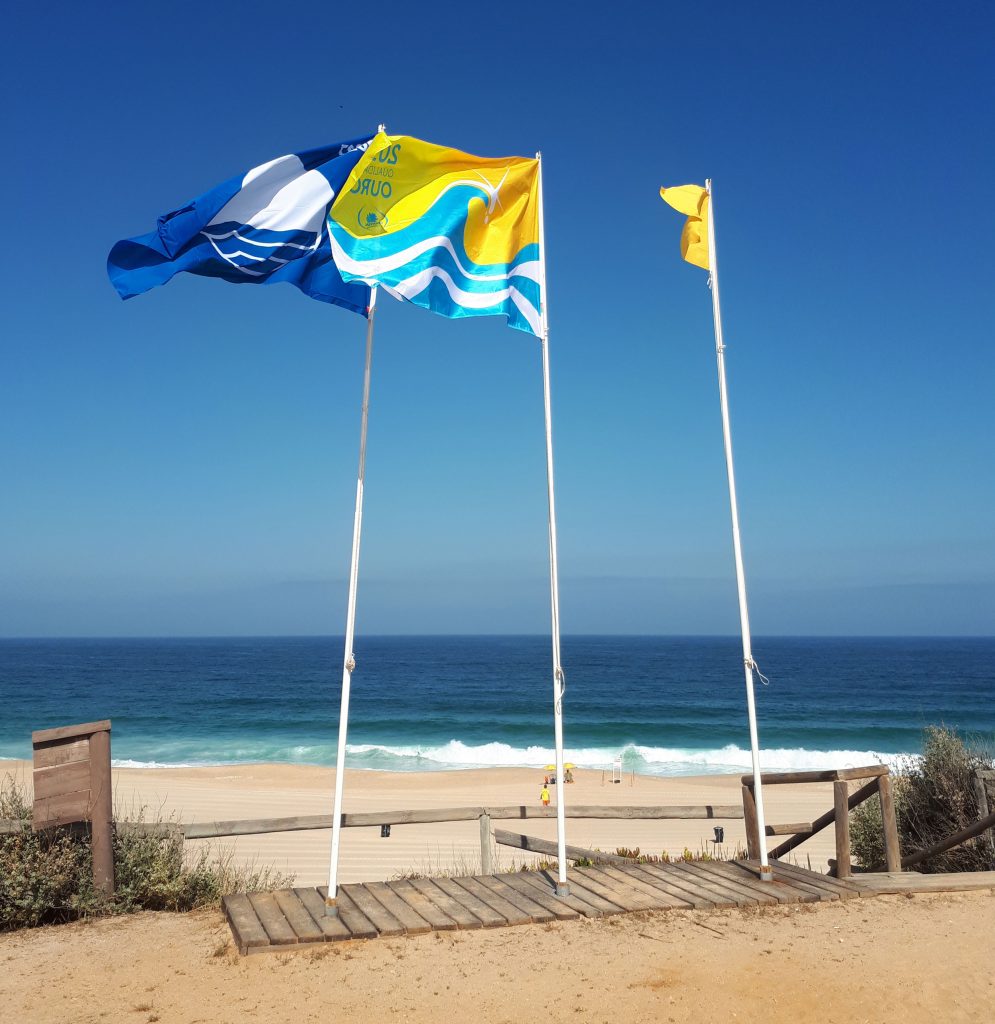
[544,796]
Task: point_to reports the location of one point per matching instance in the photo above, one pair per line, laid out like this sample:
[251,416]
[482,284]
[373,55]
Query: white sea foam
[456,755]
[641,759]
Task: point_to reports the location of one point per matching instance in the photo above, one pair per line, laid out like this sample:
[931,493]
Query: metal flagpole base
[766,873]
[331,908]
[562,889]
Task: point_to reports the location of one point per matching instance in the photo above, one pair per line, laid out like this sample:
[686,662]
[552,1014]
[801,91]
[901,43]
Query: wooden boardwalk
[267,921]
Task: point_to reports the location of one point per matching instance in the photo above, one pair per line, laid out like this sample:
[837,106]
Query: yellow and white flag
[692,201]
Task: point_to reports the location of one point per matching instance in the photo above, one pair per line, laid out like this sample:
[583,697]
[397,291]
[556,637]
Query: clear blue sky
[185,462]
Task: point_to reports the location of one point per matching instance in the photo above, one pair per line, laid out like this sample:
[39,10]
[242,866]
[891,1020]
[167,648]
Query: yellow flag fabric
[692,201]
[446,230]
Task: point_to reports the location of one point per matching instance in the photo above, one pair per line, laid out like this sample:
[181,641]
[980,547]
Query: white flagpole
[349,659]
[559,680]
[744,616]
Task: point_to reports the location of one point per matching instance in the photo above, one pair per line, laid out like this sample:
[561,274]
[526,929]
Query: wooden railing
[843,802]
[484,814]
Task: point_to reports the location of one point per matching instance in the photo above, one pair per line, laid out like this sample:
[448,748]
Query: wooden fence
[484,814]
[843,802]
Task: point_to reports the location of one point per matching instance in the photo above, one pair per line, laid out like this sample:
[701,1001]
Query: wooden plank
[545,890]
[547,899]
[550,849]
[422,905]
[359,925]
[621,813]
[507,910]
[524,902]
[271,918]
[822,893]
[67,732]
[61,753]
[824,821]
[871,771]
[463,917]
[485,914]
[659,880]
[297,916]
[71,777]
[615,892]
[584,890]
[246,929]
[331,927]
[61,810]
[675,877]
[727,890]
[843,888]
[255,826]
[796,828]
[411,921]
[841,818]
[778,887]
[731,887]
[385,922]
[627,878]
[426,816]
[908,881]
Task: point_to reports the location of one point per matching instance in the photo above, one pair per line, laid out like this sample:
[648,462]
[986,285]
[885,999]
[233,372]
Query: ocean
[667,705]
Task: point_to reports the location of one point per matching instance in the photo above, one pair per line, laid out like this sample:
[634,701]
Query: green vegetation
[45,877]
[934,798]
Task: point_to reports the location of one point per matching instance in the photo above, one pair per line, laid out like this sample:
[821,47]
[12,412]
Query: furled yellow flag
[692,201]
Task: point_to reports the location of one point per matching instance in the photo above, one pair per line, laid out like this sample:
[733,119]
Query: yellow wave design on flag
[455,233]
[692,201]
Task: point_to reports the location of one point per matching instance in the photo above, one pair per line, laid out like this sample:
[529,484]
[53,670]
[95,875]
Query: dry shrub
[934,798]
[46,877]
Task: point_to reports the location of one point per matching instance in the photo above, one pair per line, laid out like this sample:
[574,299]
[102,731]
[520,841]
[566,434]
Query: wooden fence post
[753,839]
[841,804]
[981,795]
[892,847]
[486,867]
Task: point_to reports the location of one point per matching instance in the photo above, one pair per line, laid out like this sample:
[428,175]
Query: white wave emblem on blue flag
[278,216]
[264,227]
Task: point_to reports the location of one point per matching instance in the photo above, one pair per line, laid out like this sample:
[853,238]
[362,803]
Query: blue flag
[265,226]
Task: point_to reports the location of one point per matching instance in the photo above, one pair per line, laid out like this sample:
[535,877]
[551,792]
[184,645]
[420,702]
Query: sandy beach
[916,960]
[279,790]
